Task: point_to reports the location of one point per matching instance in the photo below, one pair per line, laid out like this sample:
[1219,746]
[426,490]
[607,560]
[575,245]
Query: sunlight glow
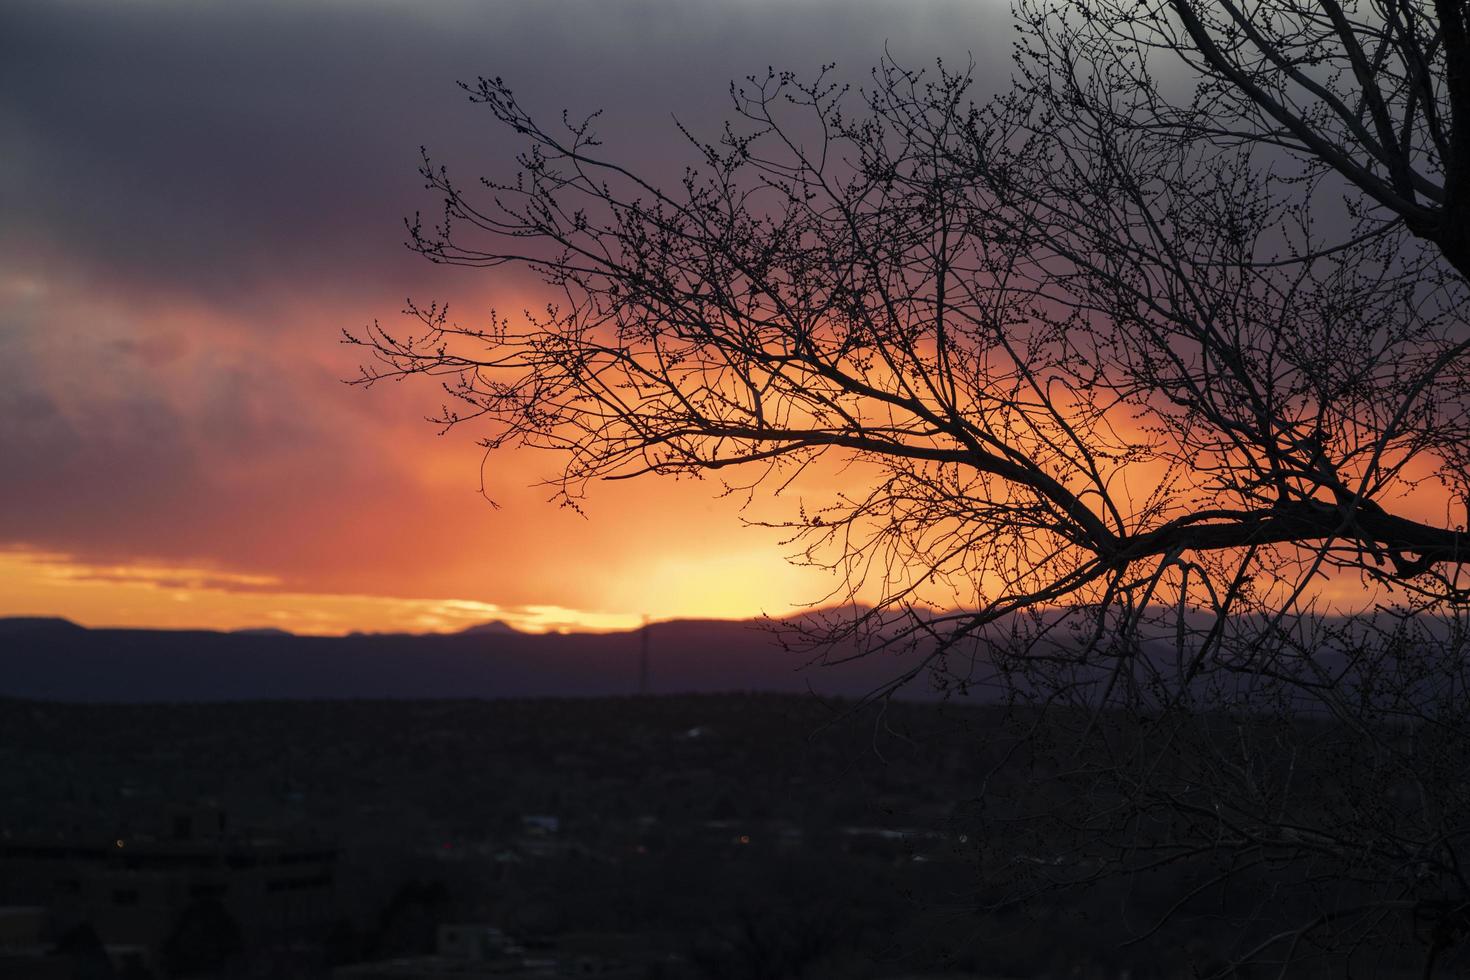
[155,596]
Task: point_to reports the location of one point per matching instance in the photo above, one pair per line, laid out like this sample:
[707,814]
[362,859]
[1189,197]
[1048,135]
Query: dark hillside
[56,660]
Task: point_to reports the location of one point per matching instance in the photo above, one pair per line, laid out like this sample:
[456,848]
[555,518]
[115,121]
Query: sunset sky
[195,200]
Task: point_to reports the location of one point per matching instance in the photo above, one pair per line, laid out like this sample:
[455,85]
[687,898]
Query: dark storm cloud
[74,464]
[230,148]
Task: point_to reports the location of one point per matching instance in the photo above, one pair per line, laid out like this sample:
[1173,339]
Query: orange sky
[224,196]
[207,480]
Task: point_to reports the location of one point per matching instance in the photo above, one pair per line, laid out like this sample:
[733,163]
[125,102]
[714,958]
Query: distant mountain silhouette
[58,660]
[14,625]
[495,627]
[55,659]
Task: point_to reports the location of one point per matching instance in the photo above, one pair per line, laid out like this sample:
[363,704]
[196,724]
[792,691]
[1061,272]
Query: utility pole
[643,657]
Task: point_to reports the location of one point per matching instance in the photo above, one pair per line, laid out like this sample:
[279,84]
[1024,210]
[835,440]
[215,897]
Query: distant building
[484,952]
[540,823]
[29,948]
[143,891]
[475,943]
[25,941]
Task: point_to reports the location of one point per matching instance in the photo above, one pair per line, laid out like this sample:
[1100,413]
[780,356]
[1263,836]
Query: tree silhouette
[1150,375]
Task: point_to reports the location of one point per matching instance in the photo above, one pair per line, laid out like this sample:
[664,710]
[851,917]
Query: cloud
[63,568]
[207,598]
[228,148]
[198,197]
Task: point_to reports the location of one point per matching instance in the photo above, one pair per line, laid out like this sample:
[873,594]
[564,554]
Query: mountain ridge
[57,660]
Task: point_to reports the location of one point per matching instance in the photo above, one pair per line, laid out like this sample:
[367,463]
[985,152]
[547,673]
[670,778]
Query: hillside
[58,660]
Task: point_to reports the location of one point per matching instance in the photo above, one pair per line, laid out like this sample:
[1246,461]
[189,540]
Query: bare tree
[1153,376]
